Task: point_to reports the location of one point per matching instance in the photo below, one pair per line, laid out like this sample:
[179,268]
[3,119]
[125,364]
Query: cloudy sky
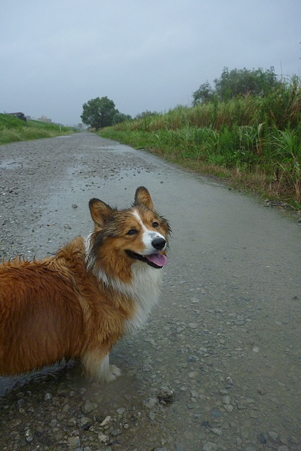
[142,54]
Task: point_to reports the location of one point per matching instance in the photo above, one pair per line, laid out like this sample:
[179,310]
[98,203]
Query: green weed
[13,129]
[255,138]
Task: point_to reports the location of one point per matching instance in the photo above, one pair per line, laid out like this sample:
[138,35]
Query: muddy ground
[218,366]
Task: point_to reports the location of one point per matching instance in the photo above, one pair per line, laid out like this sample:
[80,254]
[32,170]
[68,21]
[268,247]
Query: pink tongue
[158,259]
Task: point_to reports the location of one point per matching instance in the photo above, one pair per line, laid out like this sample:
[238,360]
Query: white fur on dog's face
[148,236]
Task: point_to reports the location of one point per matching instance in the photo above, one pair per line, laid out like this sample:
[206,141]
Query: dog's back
[41,318]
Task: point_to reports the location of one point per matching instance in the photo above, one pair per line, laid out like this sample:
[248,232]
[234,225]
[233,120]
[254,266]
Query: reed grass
[253,140]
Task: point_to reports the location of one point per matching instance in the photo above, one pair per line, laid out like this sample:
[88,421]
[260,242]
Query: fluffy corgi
[78,303]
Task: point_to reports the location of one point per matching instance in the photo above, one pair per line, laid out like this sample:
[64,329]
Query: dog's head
[123,238]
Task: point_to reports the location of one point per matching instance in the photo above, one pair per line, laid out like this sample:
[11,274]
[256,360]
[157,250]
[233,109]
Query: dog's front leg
[98,366]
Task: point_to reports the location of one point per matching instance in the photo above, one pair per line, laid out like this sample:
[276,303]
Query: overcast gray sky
[142,54]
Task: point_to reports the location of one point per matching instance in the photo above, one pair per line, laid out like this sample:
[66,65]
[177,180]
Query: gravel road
[218,366]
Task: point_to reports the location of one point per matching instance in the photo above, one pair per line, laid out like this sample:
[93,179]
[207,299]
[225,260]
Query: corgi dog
[79,302]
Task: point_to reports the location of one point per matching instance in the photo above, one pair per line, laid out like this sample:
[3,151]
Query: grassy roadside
[13,129]
[256,181]
[249,142]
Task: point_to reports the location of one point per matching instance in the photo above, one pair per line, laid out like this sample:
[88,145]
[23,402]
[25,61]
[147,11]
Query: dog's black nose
[158,243]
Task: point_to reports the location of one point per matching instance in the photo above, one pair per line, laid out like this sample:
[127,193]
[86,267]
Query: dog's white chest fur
[145,290]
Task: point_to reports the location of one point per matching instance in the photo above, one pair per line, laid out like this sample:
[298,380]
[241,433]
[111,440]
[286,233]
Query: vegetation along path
[218,366]
[247,130]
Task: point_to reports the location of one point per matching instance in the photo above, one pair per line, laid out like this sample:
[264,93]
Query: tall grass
[245,135]
[13,129]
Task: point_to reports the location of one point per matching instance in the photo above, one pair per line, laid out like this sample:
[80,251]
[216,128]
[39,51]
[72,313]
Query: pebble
[116,432]
[209,446]
[150,403]
[103,438]
[166,395]
[87,407]
[73,442]
[106,421]
[262,438]
[273,436]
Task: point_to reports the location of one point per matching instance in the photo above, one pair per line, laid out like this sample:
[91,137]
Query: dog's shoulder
[70,257]
[74,249]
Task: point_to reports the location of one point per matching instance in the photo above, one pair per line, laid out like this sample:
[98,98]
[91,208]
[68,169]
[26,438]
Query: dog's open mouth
[156,260]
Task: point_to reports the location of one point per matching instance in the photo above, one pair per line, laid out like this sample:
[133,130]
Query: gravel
[218,365]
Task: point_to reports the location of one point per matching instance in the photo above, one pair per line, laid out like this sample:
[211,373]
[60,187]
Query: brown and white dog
[78,303]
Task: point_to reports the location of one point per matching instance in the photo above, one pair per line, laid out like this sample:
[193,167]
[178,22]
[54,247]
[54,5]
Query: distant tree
[238,82]
[243,81]
[202,95]
[98,112]
[146,114]
[120,117]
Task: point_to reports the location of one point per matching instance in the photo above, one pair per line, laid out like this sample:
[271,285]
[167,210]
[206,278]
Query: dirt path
[223,345]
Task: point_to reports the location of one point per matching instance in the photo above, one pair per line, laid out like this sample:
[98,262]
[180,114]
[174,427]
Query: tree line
[101,112]
[238,82]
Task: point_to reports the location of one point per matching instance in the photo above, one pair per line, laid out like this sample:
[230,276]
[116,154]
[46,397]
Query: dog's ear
[143,197]
[100,212]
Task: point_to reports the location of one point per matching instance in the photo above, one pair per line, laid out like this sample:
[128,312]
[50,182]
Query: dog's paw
[113,373]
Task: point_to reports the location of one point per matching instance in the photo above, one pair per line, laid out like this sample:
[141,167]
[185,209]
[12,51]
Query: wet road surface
[218,366]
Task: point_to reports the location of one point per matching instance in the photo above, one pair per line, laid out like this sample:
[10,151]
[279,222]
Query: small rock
[116,432]
[166,395]
[273,436]
[191,358]
[228,407]
[105,421]
[74,442]
[85,423]
[103,438]
[47,396]
[262,438]
[53,423]
[151,416]
[226,399]
[193,374]
[150,403]
[209,446]
[87,407]
[216,413]
[261,391]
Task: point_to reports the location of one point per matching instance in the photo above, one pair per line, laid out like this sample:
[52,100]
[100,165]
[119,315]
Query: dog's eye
[132,232]
[155,224]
